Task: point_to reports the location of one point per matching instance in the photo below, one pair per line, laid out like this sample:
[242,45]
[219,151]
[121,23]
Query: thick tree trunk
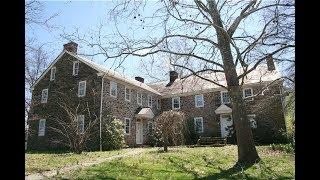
[247,153]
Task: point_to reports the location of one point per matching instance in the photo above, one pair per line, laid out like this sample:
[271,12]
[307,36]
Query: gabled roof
[223,109]
[102,69]
[145,113]
[195,84]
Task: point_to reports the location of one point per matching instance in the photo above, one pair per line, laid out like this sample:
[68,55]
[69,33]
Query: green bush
[113,136]
[191,137]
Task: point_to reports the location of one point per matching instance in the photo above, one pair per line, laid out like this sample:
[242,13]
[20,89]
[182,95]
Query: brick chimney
[139,79]
[173,77]
[71,47]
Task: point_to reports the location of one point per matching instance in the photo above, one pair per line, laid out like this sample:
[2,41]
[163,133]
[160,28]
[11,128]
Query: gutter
[101,98]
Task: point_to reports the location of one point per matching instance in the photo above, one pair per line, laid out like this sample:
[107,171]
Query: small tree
[113,137]
[190,134]
[168,127]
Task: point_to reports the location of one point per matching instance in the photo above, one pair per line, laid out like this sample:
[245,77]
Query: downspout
[101,98]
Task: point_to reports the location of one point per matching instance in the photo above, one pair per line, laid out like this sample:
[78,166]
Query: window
[75,69]
[247,93]
[53,73]
[150,127]
[127,126]
[252,120]
[82,89]
[225,98]
[42,127]
[158,103]
[139,98]
[81,124]
[198,123]
[176,103]
[113,89]
[127,94]
[149,101]
[199,100]
[44,96]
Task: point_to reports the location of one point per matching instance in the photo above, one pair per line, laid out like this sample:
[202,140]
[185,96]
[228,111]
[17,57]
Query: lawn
[39,162]
[190,163]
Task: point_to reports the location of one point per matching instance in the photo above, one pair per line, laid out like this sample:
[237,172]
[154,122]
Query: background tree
[197,37]
[169,125]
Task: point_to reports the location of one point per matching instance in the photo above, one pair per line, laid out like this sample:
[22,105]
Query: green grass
[191,163]
[39,162]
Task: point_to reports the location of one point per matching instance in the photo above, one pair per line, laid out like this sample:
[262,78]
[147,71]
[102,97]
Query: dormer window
[75,69]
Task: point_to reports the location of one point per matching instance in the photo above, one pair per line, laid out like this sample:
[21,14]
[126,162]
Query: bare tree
[198,37]
[169,125]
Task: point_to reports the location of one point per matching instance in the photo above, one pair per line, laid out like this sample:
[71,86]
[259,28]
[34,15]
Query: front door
[225,123]
[139,136]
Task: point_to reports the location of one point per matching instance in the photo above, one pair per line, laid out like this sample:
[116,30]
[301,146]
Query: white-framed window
[158,103]
[80,120]
[75,69]
[199,100]
[82,88]
[252,119]
[247,93]
[139,98]
[127,94]
[44,96]
[113,89]
[149,101]
[225,98]
[176,103]
[42,127]
[53,73]
[198,124]
[127,123]
[150,127]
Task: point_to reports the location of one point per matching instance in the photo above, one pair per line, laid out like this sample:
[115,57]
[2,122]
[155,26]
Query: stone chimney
[139,79]
[173,77]
[71,47]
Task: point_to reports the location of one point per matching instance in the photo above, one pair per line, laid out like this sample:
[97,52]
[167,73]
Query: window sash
[127,126]
[247,93]
[42,126]
[44,96]
[252,120]
[53,74]
[139,98]
[113,89]
[176,103]
[199,101]
[82,88]
[127,94]
[198,122]
[225,98]
[149,101]
[75,69]
[81,124]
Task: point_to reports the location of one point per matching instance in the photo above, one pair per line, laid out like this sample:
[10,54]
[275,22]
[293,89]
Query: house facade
[93,92]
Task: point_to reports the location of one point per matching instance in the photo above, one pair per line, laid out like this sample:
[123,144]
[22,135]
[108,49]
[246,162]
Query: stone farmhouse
[101,92]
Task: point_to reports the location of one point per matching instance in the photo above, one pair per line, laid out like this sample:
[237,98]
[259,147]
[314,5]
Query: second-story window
[225,98]
[113,89]
[247,94]
[158,103]
[75,69]
[149,101]
[199,100]
[44,96]
[127,94]
[82,89]
[53,73]
[139,98]
[176,103]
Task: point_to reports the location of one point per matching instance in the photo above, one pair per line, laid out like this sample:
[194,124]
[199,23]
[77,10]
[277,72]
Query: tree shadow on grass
[237,172]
